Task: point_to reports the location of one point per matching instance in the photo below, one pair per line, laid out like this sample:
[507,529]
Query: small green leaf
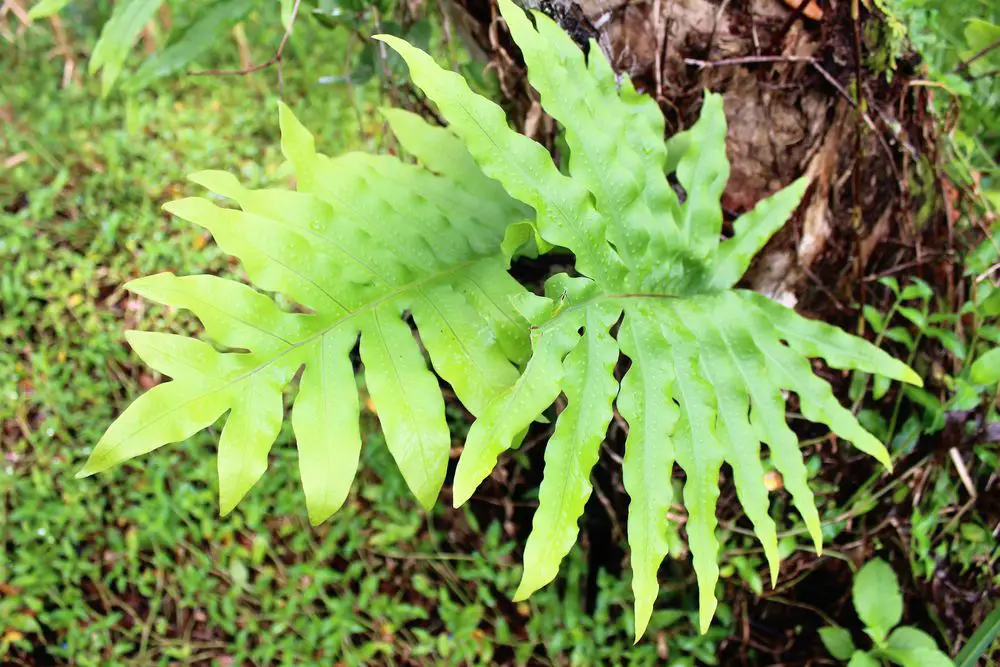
[906,638]
[919,657]
[891,283]
[986,369]
[877,598]
[916,289]
[863,659]
[837,641]
[874,318]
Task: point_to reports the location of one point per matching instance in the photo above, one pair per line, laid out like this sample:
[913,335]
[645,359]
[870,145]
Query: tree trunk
[788,83]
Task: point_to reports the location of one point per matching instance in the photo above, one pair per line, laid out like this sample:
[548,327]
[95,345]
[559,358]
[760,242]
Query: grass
[135,567]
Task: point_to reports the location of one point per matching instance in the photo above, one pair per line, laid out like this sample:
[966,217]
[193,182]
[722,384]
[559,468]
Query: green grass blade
[117,37]
[980,641]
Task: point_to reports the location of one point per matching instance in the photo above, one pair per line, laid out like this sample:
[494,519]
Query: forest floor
[135,567]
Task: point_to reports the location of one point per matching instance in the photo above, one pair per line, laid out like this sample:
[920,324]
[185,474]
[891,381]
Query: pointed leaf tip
[910,377]
[643,612]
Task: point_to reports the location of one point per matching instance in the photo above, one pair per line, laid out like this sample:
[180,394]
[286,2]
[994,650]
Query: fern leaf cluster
[709,364]
[363,240]
[367,239]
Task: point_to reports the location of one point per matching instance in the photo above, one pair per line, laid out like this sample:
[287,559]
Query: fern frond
[709,364]
[363,241]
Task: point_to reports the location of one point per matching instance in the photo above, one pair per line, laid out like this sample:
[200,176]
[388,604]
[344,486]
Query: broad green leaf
[767,412]
[251,429]
[364,241]
[837,641]
[986,369]
[877,598]
[439,150]
[907,638]
[732,400]
[117,37]
[699,452]
[613,147]
[703,172]
[921,657]
[841,350]
[562,206]
[410,406]
[793,373]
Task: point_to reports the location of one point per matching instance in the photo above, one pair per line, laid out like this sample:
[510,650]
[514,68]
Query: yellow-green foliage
[368,238]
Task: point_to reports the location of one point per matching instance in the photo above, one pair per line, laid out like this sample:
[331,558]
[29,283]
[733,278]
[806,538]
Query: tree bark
[788,84]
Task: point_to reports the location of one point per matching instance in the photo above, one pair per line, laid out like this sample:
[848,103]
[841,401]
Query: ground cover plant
[879,604]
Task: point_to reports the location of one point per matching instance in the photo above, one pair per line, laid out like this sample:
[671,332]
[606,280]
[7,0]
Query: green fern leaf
[365,240]
[709,364]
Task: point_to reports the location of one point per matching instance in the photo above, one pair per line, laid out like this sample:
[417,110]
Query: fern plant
[364,239]
[367,238]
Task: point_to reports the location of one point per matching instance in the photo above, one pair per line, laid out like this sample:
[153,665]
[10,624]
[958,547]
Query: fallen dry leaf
[813,11]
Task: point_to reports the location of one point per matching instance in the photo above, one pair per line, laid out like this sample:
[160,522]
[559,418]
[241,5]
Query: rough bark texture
[788,84]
